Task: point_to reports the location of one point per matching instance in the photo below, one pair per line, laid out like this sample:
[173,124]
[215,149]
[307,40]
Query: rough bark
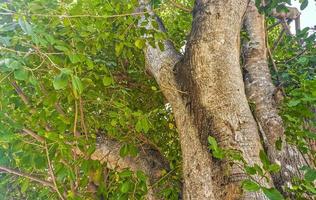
[206,91]
[260,92]
[197,170]
[210,74]
[149,160]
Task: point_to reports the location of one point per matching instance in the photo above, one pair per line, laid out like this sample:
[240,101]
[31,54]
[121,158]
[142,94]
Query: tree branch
[261,91]
[28,176]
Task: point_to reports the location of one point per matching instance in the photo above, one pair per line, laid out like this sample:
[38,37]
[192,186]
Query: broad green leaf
[125,174]
[141,175]
[107,81]
[124,150]
[74,58]
[140,43]
[13,64]
[126,186]
[272,193]
[21,74]
[310,175]
[304,4]
[213,143]
[274,168]
[62,48]
[264,159]
[293,102]
[142,125]
[77,85]
[118,49]
[60,81]
[132,150]
[250,170]
[25,26]
[250,186]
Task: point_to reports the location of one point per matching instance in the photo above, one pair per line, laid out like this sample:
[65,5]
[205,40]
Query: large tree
[217,87]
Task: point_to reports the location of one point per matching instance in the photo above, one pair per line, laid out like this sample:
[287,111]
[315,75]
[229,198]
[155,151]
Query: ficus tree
[162,99]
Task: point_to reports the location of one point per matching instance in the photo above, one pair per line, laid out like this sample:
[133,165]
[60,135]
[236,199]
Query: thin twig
[77,16]
[76,120]
[5,77]
[28,52]
[76,134]
[33,134]
[20,93]
[180,6]
[51,172]
[294,57]
[274,25]
[82,121]
[276,43]
[28,176]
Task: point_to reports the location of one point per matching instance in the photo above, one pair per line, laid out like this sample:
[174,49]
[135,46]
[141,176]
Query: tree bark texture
[149,160]
[206,90]
[260,92]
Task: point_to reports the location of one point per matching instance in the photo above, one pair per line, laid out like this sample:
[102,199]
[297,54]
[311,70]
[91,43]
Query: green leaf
[250,170]
[118,49]
[272,193]
[132,150]
[21,74]
[107,81]
[216,151]
[142,125]
[304,4]
[250,186]
[74,58]
[213,143]
[124,150]
[125,174]
[310,175]
[25,26]
[125,187]
[12,64]
[141,176]
[140,43]
[264,159]
[293,102]
[77,85]
[60,81]
[62,48]
[25,185]
[274,168]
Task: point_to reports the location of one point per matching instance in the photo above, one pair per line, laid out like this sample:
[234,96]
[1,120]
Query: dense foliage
[73,71]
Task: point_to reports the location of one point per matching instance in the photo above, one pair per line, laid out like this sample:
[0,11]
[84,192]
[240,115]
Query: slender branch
[273,25]
[20,93]
[34,135]
[294,57]
[77,16]
[276,43]
[51,172]
[6,76]
[28,52]
[28,176]
[286,27]
[180,6]
[82,121]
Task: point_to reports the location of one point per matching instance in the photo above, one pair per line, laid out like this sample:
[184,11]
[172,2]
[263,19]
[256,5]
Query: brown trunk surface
[260,92]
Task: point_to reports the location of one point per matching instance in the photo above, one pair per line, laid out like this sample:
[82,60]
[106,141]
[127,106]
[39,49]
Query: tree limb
[260,90]
[28,176]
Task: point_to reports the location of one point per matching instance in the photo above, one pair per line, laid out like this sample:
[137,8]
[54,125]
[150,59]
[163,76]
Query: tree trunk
[260,92]
[206,91]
